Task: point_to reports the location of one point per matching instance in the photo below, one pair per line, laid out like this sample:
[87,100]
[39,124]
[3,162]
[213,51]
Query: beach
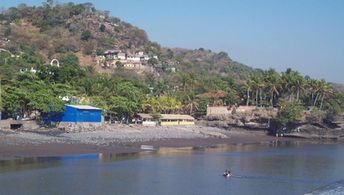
[122,139]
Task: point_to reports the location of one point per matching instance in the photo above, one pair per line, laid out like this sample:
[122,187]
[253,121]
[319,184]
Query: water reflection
[29,163]
[41,162]
[281,167]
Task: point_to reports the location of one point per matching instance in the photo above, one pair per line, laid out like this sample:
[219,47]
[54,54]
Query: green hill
[51,30]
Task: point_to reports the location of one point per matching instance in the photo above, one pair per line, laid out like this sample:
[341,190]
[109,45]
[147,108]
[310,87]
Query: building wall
[224,110]
[167,123]
[245,109]
[73,115]
[186,122]
[149,123]
[218,110]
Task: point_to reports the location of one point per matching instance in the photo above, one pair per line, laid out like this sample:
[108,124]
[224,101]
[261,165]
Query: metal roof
[176,117]
[84,107]
[168,116]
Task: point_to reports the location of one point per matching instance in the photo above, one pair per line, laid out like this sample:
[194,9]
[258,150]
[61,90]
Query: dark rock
[315,131]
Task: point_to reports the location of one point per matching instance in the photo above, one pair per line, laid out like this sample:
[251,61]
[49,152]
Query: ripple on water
[336,188]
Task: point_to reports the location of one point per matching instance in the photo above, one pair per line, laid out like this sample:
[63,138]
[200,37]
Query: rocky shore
[120,139]
[126,139]
[106,134]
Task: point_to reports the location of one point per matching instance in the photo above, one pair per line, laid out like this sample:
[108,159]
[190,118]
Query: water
[258,169]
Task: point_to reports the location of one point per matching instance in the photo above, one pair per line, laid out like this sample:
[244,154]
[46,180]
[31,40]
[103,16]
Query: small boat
[227,174]
[147,147]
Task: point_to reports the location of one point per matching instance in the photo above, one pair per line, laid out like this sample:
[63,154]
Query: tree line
[124,93]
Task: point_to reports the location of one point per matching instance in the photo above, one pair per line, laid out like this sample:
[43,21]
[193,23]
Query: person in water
[227,173]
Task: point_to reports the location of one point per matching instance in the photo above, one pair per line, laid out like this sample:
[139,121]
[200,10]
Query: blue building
[75,114]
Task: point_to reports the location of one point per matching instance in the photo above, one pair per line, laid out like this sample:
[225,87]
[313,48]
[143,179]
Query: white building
[133,58]
[122,56]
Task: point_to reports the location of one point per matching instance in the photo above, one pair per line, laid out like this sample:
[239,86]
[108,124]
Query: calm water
[258,169]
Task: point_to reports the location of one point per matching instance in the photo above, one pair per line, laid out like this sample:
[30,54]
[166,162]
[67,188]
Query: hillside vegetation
[172,80]
[51,30]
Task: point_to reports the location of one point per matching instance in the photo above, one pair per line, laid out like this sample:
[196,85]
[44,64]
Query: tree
[13,99]
[44,101]
[290,112]
[257,84]
[248,86]
[99,102]
[70,70]
[293,83]
[123,106]
[191,105]
[202,107]
[160,88]
[100,51]
[88,48]
[299,85]
[272,80]
[152,61]
[86,35]
[223,54]
[130,91]
[162,104]
[102,28]
[8,31]
[50,3]
[70,59]
[324,90]
[119,65]
[150,79]
[188,81]
[335,104]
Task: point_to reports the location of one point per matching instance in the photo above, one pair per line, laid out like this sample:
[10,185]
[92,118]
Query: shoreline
[126,139]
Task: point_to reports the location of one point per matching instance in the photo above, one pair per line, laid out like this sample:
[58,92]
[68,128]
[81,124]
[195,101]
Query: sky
[305,35]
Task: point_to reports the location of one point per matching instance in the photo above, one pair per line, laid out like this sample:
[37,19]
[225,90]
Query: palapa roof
[146,116]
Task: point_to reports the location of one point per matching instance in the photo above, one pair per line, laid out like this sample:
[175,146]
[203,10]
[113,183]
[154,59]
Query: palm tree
[319,85]
[287,83]
[184,79]
[312,90]
[248,85]
[258,84]
[254,86]
[324,89]
[299,84]
[272,80]
[191,105]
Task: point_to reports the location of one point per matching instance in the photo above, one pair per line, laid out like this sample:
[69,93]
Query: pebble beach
[120,139]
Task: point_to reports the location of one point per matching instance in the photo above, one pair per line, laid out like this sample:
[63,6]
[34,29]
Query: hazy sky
[306,35]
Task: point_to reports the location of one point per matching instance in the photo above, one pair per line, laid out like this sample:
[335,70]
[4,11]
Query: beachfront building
[218,110]
[176,119]
[166,119]
[75,114]
[147,119]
